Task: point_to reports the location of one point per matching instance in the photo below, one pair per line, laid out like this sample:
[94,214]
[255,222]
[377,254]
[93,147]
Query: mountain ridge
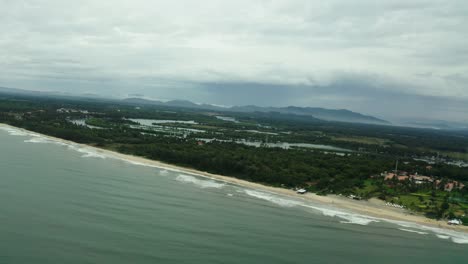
[340,115]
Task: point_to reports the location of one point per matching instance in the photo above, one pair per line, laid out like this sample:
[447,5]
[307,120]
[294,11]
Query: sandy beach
[373,207]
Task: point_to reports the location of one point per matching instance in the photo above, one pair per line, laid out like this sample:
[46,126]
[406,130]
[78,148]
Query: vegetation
[220,146]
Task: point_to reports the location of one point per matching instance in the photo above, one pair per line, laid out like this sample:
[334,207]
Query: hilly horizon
[340,115]
[321,113]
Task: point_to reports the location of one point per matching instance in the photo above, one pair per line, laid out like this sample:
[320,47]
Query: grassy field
[456,155]
[424,202]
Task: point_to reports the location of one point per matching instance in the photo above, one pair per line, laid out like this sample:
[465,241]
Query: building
[454,222]
[453,185]
[301,191]
[391,175]
[449,186]
[420,179]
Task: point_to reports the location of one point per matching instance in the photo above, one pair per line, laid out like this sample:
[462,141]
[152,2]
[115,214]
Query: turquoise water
[63,203]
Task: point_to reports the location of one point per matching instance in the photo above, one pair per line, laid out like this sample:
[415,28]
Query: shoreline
[373,207]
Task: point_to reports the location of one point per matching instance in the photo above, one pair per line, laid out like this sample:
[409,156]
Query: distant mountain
[48,93]
[23,92]
[174,103]
[435,124]
[141,101]
[341,115]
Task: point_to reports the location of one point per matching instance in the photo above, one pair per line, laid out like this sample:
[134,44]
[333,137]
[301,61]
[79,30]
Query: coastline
[373,208]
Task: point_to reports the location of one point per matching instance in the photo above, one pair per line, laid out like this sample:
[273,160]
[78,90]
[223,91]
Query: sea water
[65,203]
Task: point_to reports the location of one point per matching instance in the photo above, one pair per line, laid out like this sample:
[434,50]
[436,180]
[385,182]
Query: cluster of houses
[421,179]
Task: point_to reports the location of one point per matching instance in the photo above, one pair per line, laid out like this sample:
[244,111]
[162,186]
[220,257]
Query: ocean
[65,203]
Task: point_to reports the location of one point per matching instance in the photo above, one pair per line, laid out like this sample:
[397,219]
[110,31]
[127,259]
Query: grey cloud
[337,52]
[354,94]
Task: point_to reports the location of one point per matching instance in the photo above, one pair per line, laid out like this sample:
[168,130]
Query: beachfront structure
[454,222]
[301,191]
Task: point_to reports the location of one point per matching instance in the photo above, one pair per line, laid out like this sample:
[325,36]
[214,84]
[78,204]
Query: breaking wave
[454,236]
[201,183]
[413,231]
[349,218]
[442,236]
[274,198]
[88,153]
[43,140]
[40,139]
[137,163]
[16,131]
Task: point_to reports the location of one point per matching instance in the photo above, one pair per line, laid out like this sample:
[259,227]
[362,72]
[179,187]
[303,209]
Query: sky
[392,59]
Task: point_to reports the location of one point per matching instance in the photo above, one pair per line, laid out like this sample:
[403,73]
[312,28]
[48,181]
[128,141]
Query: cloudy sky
[392,59]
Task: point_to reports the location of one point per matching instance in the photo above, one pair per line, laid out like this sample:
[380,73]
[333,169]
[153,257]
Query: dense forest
[214,145]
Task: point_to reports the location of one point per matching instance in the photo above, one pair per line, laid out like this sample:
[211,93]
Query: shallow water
[64,203]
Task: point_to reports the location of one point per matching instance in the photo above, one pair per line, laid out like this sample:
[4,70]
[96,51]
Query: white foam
[442,236]
[15,131]
[36,140]
[273,198]
[87,152]
[458,240]
[43,140]
[413,231]
[454,236]
[349,218]
[137,163]
[92,155]
[201,183]
[165,168]
[356,219]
